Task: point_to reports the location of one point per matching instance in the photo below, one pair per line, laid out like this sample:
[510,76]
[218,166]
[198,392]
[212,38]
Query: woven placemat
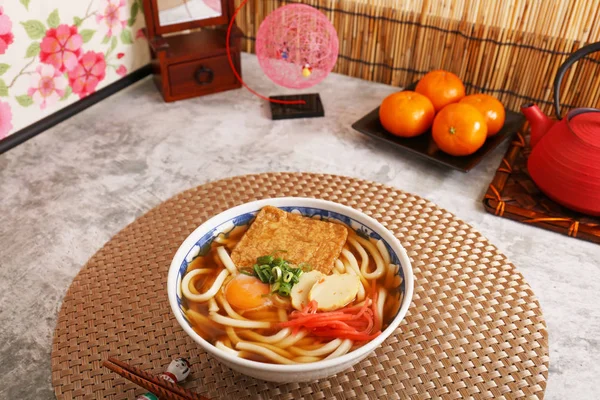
[474,330]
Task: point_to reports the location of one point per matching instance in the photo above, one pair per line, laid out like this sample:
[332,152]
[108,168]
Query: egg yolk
[246,292]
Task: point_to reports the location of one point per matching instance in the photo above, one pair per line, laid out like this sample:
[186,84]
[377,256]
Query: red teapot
[565,156]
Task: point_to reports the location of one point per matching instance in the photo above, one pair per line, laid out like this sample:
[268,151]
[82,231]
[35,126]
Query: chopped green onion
[278,272]
[264,260]
[275,287]
[285,289]
[264,274]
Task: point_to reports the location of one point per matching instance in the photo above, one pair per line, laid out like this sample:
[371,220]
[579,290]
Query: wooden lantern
[187,41]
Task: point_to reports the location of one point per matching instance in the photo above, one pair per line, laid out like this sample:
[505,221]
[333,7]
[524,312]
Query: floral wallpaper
[55,52]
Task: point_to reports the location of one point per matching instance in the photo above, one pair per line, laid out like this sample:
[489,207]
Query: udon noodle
[257,333]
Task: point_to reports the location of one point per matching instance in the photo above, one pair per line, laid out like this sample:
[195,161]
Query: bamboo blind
[508,48]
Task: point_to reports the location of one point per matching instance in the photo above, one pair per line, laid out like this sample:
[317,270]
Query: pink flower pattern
[5,119]
[84,78]
[121,71]
[47,85]
[64,64]
[61,47]
[6,36]
[112,12]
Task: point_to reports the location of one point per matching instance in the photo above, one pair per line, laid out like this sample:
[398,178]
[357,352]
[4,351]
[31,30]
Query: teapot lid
[585,124]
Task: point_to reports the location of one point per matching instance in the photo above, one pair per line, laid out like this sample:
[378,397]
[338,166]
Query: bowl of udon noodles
[290,289]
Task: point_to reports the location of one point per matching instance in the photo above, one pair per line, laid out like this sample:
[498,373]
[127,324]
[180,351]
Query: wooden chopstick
[163,389]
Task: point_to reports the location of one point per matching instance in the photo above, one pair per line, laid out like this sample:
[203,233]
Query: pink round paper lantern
[297,46]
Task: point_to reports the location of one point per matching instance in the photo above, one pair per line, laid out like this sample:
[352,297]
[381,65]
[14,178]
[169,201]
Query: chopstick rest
[163,386]
[177,371]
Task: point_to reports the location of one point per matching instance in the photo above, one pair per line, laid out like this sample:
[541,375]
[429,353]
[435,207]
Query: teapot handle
[573,58]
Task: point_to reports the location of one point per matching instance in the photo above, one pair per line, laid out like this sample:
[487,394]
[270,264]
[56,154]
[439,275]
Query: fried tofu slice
[304,240]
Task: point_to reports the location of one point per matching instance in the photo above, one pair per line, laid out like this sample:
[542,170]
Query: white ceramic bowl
[242,215]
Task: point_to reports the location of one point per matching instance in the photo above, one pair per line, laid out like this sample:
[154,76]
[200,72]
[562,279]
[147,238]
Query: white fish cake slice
[334,291]
[301,289]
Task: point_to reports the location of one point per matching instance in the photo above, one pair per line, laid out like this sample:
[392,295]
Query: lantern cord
[235,72]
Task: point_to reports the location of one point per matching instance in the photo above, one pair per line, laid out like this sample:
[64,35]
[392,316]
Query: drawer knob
[204,76]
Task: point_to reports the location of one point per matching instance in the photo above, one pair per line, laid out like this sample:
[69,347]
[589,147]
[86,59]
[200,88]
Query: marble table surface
[66,192]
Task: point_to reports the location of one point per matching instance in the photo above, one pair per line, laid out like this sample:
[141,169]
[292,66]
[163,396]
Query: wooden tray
[424,146]
[513,194]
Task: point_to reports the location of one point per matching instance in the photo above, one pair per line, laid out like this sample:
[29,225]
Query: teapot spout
[538,121]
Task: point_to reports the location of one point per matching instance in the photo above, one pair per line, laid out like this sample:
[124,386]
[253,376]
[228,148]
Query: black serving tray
[424,146]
